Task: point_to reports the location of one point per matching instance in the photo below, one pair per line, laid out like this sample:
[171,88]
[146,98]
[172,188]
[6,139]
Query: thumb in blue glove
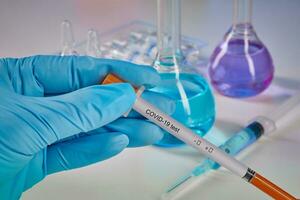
[53,119]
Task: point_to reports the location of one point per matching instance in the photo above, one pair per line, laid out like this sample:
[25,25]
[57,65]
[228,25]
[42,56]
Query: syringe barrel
[234,145]
[268,124]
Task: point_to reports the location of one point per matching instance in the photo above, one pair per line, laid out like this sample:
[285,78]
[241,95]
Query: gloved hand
[52,119]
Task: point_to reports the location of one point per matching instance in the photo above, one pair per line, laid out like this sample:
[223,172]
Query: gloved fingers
[39,75]
[135,128]
[100,130]
[84,151]
[139,132]
[137,75]
[55,118]
[161,101]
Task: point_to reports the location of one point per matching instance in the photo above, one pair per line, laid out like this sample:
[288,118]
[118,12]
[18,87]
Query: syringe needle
[183,180]
[183,183]
[187,180]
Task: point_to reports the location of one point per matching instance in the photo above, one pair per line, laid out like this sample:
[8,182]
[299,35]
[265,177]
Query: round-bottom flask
[241,66]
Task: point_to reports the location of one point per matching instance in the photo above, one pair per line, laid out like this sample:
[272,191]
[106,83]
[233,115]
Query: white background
[33,27]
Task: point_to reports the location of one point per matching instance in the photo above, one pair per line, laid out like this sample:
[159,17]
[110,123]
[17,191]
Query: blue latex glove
[52,119]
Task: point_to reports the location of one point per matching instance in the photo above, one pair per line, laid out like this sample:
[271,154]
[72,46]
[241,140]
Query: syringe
[185,134]
[260,125]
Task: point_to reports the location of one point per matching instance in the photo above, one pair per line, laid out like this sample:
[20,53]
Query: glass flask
[241,65]
[194,100]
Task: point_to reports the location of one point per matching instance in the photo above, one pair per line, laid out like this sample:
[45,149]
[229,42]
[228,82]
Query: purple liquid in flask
[241,66]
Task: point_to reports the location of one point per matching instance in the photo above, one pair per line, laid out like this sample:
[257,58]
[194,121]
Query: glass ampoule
[241,65]
[67,39]
[93,44]
[193,97]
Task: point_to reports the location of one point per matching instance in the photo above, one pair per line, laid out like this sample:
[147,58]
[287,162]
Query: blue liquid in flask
[195,105]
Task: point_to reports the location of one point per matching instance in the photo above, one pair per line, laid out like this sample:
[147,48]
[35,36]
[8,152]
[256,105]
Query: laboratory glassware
[193,97]
[241,65]
[187,135]
[260,125]
[67,39]
[93,44]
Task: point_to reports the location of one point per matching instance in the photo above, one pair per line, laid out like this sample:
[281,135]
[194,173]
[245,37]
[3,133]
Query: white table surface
[32,27]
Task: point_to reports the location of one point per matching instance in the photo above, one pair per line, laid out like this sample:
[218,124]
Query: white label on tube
[189,137]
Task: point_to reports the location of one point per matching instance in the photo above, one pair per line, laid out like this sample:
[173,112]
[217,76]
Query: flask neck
[242,24]
[168,34]
[242,12]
